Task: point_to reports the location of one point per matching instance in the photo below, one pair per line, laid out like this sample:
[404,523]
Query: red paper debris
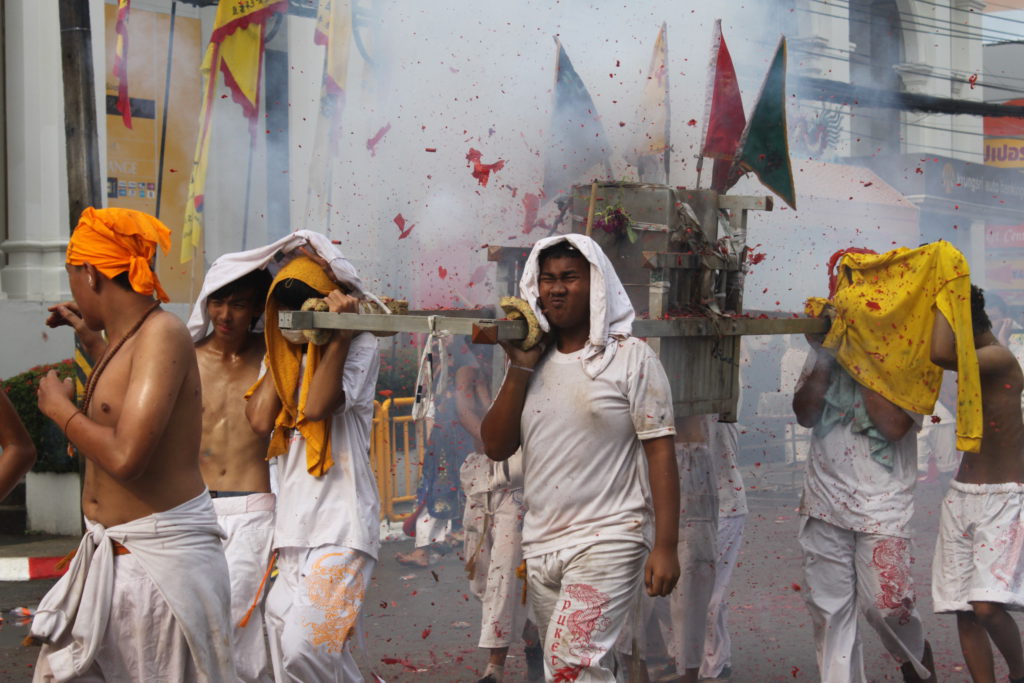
[426,632]
[531,205]
[873,305]
[973,80]
[692,122]
[796,587]
[371,144]
[386,393]
[442,272]
[402,231]
[936,419]
[404,662]
[430,149]
[482,171]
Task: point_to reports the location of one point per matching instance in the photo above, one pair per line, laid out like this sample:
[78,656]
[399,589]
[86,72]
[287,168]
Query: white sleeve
[359,378]
[650,397]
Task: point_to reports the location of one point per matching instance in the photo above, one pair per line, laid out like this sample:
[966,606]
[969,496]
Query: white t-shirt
[341,507]
[723,443]
[585,471]
[847,488]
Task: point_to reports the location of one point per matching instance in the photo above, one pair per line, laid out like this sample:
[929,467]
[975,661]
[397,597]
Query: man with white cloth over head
[315,400]
[146,596]
[233,458]
[592,411]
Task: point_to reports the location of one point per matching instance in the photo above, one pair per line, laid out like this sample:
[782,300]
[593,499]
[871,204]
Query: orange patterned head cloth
[117,240]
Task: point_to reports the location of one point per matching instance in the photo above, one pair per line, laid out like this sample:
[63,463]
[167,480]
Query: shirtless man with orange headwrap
[146,596]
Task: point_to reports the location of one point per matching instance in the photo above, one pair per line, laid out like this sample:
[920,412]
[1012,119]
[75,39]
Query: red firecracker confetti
[873,305]
[402,231]
[426,632]
[973,80]
[936,419]
[442,272]
[371,144]
[531,205]
[481,171]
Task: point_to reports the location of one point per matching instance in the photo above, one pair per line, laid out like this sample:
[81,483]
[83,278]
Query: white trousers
[312,613]
[681,617]
[494,536]
[845,571]
[979,556]
[582,598]
[717,643]
[143,641]
[431,530]
[248,522]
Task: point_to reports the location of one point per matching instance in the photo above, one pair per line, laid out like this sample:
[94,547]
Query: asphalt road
[421,626]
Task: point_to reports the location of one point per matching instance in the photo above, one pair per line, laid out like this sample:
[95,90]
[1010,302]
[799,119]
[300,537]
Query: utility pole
[82,147]
[81,140]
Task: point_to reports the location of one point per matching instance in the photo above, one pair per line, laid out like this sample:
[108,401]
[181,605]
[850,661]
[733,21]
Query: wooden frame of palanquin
[700,352]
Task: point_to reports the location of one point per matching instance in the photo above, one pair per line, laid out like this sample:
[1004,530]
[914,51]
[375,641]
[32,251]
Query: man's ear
[92,276]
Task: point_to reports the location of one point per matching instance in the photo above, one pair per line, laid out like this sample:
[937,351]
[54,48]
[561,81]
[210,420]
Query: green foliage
[51,446]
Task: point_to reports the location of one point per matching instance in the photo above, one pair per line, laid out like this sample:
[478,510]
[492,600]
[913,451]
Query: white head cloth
[231,267]
[611,313]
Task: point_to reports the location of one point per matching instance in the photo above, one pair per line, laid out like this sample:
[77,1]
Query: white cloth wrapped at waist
[180,549]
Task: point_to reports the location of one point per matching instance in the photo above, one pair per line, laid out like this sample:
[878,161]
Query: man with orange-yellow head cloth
[146,595]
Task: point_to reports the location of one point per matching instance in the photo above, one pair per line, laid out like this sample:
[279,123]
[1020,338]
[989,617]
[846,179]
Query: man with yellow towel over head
[316,402]
[146,594]
[863,391]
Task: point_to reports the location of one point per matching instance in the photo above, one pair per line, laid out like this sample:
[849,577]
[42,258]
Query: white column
[966,54]
[37,203]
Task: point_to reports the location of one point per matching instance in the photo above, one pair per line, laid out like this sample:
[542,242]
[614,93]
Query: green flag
[764,147]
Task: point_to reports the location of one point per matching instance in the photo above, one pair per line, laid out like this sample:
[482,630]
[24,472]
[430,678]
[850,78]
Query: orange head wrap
[117,240]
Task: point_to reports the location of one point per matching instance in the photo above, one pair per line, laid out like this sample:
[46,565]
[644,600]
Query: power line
[938,23]
[933,76]
[939,29]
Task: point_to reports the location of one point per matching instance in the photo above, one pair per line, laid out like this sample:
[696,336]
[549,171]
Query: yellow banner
[334,29]
[236,50]
[1004,152]
[192,225]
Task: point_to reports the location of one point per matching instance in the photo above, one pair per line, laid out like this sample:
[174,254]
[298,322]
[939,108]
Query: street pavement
[422,623]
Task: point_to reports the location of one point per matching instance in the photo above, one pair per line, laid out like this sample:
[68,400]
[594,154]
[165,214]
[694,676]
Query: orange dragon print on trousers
[337,590]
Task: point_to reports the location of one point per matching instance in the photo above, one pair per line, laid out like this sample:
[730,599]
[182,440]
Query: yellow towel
[885,308]
[284,361]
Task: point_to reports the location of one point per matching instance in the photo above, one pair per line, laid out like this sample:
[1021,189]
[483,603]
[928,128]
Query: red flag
[121,61]
[723,113]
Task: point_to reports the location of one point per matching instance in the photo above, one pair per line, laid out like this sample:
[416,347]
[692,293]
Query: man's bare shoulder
[164,335]
[995,360]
